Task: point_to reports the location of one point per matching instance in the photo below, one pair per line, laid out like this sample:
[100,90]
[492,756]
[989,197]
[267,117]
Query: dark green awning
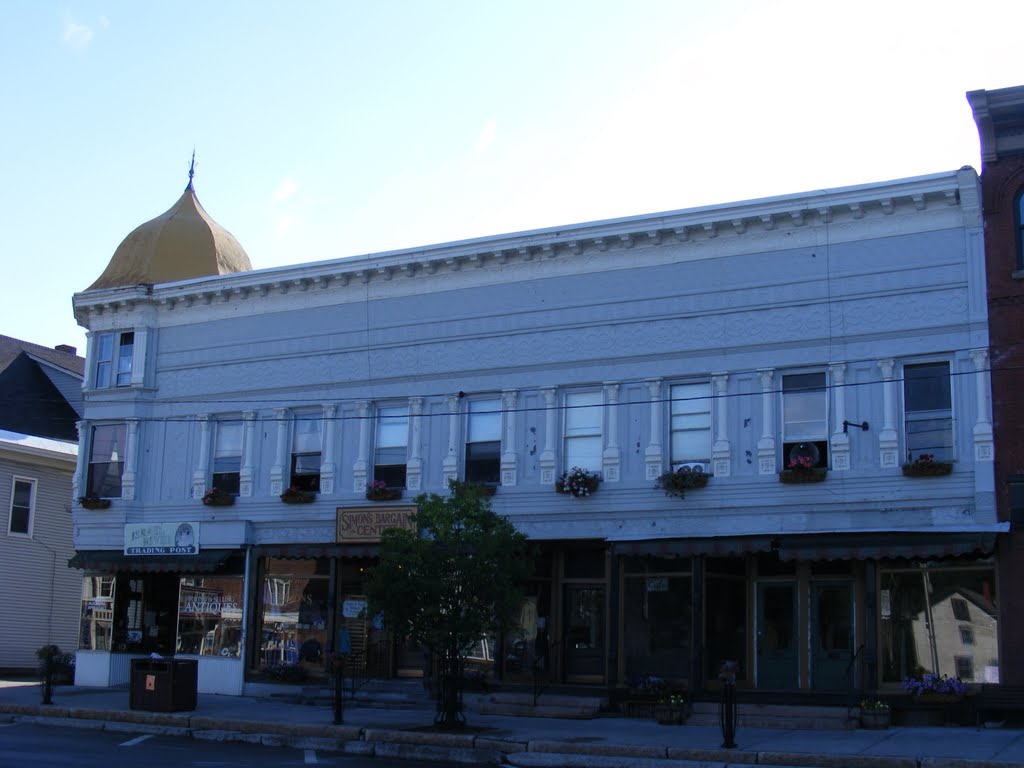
[114,561]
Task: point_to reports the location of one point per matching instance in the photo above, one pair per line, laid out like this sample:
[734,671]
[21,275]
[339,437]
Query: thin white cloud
[77,35]
[487,136]
[286,190]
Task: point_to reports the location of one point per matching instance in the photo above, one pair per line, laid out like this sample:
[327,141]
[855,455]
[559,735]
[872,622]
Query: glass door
[584,635]
[831,635]
[777,644]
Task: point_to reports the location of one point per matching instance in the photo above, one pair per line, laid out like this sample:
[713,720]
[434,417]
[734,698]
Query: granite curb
[469,749]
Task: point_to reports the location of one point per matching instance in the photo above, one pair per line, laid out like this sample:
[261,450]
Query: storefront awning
[714,547]
[300,551]
[884,545]
[113,561]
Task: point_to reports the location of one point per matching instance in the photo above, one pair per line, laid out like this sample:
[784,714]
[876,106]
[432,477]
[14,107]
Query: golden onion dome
[182,243]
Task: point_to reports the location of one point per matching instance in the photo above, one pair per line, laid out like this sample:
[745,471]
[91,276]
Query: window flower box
[803,465]
[812,475]
[215,497]
[379,491]
[678,482]
[93,502]
[926,466]
[295,495]
[578,482]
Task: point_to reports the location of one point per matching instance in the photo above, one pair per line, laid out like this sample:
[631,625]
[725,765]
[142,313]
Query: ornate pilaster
[766,461]
[509,457]
[328,467]
[450,465]
[201,473]
[547,456]
[131,460]
[248,471]
[983,422]
[888,438]
[611,458]
[653,459]
[359,468]
[720,450]
[78,482]
[277,469]
[414,464]
[839,443]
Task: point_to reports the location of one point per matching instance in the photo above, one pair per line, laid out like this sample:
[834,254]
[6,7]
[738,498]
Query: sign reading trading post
[365,524]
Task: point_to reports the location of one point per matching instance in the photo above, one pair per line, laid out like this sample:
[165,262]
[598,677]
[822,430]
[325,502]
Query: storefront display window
[941,619]
[294,611]
[97,629]
[210,616]
[657,614]
[725,606]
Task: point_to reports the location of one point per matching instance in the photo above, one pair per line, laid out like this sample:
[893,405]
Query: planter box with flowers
[295,495]
[937,689]
[875,715]
[925,465]
[683,479]
[92,501]
[378,490]
[215,497]
[578,482]
[803,465]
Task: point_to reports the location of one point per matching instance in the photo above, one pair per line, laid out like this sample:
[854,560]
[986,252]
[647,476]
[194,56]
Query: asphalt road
[37,746]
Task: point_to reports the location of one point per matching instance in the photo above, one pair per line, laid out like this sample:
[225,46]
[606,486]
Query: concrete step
[523,704]
[817,718]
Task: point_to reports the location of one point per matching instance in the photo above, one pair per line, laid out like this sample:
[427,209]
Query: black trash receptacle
[163,685]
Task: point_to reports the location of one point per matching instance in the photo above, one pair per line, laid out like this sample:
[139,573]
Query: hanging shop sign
[366,524]
[161,539]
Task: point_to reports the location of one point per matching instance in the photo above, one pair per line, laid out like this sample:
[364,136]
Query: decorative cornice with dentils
[690,226]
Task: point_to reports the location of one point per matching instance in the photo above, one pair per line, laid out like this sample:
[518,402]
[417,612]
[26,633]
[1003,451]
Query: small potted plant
[874,714]
[92,501]
[925,465]
[378,490]
[295,495]
[678,482]
[215,497]
[578,482]
[671,710]
[803,465]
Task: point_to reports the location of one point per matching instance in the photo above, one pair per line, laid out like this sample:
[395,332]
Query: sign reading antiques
[365,524]
[161,539]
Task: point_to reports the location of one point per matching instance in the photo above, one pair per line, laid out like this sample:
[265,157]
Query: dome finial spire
[192,169]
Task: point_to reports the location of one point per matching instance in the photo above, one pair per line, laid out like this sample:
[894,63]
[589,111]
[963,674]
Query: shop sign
[196,602]
[659,584]
[161,539]
[366,524]
[353,609]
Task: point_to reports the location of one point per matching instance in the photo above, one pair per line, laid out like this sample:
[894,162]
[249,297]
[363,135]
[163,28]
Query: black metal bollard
[727,715]
[339,692]
[48,681]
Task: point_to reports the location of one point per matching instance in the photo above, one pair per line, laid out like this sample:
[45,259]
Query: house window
[583,445]
[23,495]
[390,452]
[966,635]
[691,424]
[106,461]
[960,609]
[114,359]
[483,442]
[805,418]
[227,456]
[306,447]
[965,668]
[928,408]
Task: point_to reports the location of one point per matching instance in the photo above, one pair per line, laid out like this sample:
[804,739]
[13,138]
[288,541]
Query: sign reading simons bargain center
[365,524]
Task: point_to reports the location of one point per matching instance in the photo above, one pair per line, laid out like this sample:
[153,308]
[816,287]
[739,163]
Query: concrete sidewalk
[605,742]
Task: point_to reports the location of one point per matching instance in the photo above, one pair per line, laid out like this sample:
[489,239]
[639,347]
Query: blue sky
[331,129]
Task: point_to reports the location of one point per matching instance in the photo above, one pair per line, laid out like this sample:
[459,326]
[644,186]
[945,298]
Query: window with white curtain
[307,444]
[583,443]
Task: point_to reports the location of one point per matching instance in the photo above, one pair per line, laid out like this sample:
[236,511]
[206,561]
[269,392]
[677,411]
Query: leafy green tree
[451,582]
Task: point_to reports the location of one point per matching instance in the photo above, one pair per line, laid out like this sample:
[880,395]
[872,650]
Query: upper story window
[928,411]
[114,359]
[583,443]
[306,446]
[227,456]
[805,418]
[391,446]
[106,460]
[23,497]
[483,441]
[690,424]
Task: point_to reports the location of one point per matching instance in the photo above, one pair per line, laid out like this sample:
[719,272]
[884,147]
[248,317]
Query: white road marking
[311,757]
[137,740]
